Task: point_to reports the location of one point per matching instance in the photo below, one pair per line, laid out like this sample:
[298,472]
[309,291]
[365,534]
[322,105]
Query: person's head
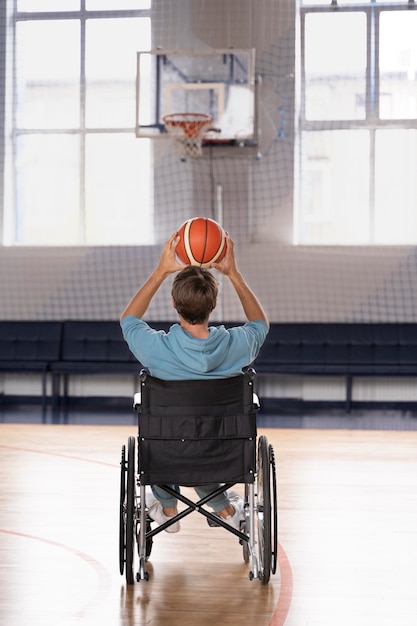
[194,294]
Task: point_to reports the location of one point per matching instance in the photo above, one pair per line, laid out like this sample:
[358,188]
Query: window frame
[372,121]
[9,15]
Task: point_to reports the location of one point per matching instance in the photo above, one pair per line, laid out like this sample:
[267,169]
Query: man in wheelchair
[194,350]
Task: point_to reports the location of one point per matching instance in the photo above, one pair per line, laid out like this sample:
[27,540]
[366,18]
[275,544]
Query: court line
[104,578]
[286,589]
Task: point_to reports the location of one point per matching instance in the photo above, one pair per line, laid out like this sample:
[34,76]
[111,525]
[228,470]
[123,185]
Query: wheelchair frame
[258,533]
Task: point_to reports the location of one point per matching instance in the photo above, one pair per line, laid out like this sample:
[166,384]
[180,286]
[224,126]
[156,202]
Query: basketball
[202,242]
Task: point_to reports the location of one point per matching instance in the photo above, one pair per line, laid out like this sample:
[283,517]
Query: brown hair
[194,292]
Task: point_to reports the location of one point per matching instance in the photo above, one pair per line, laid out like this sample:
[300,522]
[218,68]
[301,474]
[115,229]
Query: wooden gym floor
[347,534]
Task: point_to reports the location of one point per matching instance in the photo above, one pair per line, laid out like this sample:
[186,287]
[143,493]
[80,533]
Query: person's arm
[250,303]
[167,265]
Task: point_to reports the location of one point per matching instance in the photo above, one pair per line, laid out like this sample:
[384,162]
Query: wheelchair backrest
[197,431]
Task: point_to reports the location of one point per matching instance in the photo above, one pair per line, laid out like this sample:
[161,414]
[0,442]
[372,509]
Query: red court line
[104,578]
[286,589]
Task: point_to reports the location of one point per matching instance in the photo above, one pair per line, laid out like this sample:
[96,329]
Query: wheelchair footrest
[211,523]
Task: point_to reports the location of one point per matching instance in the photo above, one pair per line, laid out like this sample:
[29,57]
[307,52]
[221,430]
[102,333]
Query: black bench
[340,349]
[30,347]
[347,350]
[90,347]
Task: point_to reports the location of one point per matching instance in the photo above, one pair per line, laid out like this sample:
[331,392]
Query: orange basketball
[202,242]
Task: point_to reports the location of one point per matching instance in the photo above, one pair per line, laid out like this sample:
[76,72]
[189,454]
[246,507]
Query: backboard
[220,83]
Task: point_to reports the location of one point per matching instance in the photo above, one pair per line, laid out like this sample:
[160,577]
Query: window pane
[118,190]
[48,75]
[105,5]
[111,70]
[47,189]
[398,65]
[335,66]
[335,188]
[396,187]
[48,5]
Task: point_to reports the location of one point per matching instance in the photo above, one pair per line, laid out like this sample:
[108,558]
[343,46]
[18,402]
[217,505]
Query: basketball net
[187,131]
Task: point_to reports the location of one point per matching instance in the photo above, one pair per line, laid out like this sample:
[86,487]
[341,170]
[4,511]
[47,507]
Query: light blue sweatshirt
[176,355]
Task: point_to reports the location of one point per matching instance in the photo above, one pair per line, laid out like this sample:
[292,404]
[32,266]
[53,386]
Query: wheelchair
[198,432]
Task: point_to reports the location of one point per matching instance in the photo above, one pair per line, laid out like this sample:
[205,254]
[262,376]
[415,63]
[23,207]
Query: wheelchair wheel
[264,510]
[274,510]
[130,510]
[122,526]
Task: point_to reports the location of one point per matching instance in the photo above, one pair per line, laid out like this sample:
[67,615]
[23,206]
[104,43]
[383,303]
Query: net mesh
[187,131]
[253,196]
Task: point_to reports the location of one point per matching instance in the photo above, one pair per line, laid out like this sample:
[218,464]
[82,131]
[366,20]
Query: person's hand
[168,263]
[228,265]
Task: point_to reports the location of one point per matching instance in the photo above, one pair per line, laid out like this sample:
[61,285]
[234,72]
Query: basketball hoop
[187,131]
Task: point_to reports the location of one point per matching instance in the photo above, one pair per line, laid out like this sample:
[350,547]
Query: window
[357,123]
[75,174]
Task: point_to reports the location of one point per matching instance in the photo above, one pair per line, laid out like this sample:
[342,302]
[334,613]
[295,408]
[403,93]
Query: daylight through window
[358,123]
[75,174]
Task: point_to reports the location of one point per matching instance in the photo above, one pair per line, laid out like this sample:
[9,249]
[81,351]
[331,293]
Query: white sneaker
[149,497]
[155,512]
[232,496]
[239,514]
